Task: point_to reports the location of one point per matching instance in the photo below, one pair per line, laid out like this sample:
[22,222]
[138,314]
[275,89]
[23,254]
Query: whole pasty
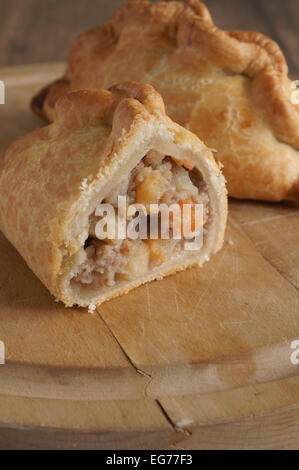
[103,145]
[230,88]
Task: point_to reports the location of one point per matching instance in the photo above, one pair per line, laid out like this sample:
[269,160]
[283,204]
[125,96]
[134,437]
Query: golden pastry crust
[230,88]
[54,178]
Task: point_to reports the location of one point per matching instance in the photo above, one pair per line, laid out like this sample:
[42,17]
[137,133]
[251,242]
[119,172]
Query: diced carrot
[184,163]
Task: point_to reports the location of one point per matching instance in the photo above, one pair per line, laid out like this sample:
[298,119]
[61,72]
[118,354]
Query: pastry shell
[54,178]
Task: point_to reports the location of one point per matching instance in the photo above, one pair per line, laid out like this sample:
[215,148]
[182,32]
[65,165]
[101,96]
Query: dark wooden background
[42,30]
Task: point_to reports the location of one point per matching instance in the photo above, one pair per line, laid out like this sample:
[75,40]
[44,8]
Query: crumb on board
[92,309]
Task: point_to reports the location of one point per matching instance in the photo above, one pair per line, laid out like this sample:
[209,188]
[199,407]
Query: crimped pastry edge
[238,52]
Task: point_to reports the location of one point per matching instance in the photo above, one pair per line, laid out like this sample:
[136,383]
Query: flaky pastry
[103,144]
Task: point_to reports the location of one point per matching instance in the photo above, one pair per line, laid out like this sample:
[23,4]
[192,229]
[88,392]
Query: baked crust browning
[44,102]
[54,178]
[230,88]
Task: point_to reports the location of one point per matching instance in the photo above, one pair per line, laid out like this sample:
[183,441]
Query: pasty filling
[156,180]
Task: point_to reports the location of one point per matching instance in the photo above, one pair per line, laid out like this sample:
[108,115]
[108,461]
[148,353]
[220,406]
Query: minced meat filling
[155,180]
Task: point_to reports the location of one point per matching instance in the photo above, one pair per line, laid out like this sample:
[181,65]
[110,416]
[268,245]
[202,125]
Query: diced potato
[138,262]
[151,189]
[157,252]
[183,182]
[161,250]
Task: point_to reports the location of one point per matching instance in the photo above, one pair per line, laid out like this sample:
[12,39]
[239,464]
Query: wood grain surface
[198,360]
[32,31]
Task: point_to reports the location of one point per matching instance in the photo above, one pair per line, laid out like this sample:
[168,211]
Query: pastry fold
[100,145]
[229,88]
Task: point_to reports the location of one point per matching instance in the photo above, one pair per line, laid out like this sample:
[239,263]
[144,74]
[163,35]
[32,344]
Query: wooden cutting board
[201,359]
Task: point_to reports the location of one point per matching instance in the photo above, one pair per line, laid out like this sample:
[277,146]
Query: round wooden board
[143,365]
[264,416]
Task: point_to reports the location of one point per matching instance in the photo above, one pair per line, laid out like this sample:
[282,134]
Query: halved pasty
[229,88]
[104,145]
